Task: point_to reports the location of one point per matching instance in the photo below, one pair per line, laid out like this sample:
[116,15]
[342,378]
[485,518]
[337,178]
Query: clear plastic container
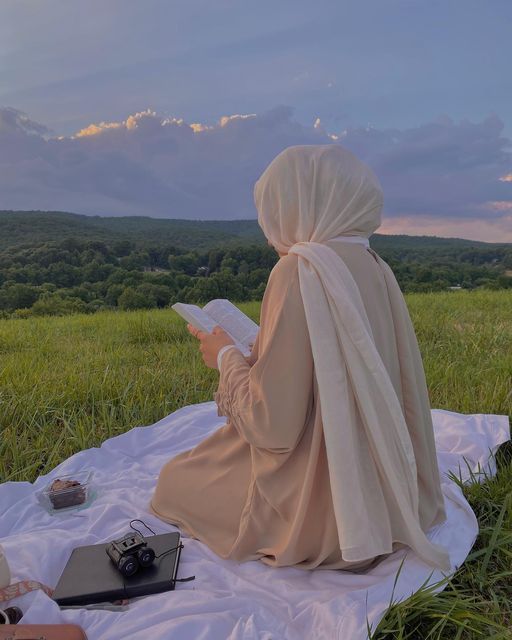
[66,496]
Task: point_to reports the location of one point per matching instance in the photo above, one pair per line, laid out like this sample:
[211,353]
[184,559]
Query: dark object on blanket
[11,615]
[66,493]
[90,577]
[129,553]
[42,632]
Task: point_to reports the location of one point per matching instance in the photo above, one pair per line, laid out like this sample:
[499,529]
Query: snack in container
[67,491]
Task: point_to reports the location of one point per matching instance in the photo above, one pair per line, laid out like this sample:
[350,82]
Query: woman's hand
[211,343]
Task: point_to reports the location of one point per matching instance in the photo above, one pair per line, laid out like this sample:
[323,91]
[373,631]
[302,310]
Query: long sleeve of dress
[269,402]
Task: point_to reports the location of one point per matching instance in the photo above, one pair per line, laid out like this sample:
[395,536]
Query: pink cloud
[485,230]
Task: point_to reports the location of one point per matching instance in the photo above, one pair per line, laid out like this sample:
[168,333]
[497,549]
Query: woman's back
[367,273]
[397,345]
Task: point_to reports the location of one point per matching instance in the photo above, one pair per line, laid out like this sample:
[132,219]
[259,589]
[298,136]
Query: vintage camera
[129,553]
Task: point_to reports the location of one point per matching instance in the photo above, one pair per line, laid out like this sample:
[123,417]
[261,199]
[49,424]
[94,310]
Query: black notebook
[90,577]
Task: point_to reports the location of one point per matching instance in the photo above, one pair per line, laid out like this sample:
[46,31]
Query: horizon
[208,220]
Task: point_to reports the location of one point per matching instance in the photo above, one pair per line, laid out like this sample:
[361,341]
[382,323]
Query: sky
[174,109]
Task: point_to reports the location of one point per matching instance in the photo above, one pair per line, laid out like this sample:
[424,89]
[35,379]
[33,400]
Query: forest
[54,263]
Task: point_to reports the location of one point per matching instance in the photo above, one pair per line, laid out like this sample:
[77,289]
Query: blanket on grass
[227,600]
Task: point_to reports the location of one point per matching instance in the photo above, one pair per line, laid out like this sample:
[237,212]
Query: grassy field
[69,383]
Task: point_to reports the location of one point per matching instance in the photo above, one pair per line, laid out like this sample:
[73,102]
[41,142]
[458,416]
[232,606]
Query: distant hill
[30,227]
[54,263]
[26,228]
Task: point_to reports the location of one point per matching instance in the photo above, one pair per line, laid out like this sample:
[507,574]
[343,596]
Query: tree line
[84,276]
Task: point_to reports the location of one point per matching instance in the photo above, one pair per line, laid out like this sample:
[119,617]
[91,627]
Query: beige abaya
[260,487]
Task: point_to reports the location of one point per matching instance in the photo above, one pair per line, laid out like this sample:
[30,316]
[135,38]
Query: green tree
[17,296]
[133,299]
[53,304]
[156,294]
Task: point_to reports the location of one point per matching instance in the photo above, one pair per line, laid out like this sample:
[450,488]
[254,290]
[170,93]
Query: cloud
[484,230]
[441,178]
[440,168]
[15,121]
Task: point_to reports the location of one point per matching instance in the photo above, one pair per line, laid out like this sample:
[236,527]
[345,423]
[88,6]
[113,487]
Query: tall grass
[69,383]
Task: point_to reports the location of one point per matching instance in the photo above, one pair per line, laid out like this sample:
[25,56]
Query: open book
[225,314]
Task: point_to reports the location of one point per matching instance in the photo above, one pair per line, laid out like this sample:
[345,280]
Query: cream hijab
[310,194]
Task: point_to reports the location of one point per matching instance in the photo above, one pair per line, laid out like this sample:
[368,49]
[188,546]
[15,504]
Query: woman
[327,459]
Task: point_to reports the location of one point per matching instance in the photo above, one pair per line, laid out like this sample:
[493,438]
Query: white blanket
[227,600]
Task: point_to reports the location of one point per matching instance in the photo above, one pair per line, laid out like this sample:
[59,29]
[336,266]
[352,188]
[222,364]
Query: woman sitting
[327,459]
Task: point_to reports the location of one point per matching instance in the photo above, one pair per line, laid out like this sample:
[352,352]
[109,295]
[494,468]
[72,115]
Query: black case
[90,577]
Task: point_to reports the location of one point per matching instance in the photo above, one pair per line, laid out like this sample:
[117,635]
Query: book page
[195,316]
[239,326]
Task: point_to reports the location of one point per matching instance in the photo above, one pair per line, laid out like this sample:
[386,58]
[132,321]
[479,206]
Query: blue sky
[393,69]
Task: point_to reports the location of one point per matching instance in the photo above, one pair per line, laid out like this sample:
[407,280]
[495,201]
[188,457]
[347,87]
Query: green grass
[69,383]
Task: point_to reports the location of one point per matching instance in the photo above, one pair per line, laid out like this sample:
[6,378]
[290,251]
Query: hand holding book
[224,314]
[211,343]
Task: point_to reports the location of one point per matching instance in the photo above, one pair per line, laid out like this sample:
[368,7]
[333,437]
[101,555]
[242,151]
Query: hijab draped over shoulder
[308,195]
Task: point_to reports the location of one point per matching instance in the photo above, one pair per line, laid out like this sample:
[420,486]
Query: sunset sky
[173,109]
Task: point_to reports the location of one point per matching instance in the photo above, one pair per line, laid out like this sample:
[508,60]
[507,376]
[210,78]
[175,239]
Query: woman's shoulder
[284,278]
[282,298]
[286,267]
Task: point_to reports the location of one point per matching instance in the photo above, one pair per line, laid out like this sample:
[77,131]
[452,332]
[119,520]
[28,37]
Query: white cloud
[226,120]
[441,178]
[95,129]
